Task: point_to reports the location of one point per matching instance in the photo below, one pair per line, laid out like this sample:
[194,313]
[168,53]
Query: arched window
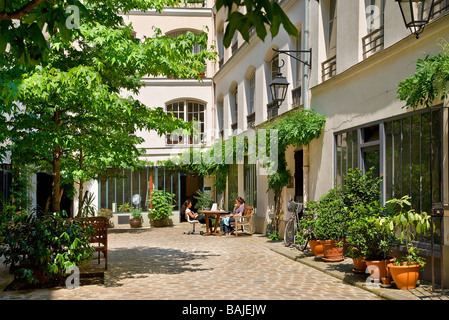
[189,111]
[196,48]
[252,92]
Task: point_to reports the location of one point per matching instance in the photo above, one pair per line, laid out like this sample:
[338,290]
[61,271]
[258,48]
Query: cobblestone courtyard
[166,264]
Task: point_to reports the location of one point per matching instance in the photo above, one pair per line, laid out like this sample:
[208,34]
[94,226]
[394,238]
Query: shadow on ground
[139,262]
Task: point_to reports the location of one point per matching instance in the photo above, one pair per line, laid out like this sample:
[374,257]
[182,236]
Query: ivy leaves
[429,82]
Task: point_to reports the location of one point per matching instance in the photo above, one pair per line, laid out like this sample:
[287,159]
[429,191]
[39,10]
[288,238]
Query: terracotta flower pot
[405,277]
[378,268]
[386,280]
[332,252]
[359,265]
[316,248]
[159,223]
[135,223]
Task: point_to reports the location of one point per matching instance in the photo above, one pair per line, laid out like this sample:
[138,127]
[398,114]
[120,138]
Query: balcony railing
[296,97]
[373,42]
[329,68]
[234,46]
[440,8]
[272,109]
[234,126]
[193,4]
[251,120]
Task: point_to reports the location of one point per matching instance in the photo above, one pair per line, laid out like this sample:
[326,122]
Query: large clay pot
[359,265]
[332,252]
[316,248]
[135,223]
[159,223]
[405,277]
[378,268]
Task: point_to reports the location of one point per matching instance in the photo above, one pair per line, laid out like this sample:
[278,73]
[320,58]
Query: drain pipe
[305,93]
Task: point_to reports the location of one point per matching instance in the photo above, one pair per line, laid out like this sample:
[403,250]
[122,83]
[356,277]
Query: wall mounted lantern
[280,84]
[416,14]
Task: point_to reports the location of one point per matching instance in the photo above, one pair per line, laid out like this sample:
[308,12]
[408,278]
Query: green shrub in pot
[160,205]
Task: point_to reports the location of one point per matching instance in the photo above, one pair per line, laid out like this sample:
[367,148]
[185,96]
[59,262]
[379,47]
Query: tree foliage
[73,114]
[24,23]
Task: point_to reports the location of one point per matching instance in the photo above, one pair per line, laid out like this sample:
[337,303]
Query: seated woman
[239,208]
[186,208]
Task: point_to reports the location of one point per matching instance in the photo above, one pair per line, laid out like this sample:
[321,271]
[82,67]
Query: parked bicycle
[292,227]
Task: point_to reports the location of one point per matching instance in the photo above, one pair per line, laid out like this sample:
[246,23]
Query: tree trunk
[81,198]
[56,174]
[56,182]
[81,188]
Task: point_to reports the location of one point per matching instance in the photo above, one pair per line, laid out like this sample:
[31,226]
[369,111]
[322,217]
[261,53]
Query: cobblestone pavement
[165,264]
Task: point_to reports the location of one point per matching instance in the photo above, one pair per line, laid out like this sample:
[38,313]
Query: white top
[188,211]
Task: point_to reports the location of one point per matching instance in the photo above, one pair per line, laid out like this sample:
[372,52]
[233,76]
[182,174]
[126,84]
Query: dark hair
[241,200]
[184,206]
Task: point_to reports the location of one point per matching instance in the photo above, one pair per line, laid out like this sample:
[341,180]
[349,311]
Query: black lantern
[416,14]
[279,88]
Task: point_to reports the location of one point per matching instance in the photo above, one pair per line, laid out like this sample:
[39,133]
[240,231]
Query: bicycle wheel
[301,238]
[290,232]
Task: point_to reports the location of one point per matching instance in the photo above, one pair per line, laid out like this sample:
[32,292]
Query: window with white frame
[234,108]
[252,92]
[195,49]
[189,111]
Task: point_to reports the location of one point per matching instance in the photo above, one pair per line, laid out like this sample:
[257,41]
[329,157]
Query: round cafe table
[208,214]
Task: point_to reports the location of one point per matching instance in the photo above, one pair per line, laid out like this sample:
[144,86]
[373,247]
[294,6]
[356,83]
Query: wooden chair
[100,237]
[244,221]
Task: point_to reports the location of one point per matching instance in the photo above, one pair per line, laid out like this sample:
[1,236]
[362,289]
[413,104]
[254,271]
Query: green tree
[23,23]
[69,115]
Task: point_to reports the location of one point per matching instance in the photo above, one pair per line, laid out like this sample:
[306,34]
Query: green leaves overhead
[33,19]
[260,14]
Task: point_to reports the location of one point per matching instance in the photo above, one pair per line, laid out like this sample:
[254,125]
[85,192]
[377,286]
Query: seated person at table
[239,208]
[186,208]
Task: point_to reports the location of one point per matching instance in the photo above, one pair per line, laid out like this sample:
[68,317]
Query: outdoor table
[208,214]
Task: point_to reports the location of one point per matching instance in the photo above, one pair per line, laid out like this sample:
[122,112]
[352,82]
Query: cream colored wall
[257,54]
[364,93]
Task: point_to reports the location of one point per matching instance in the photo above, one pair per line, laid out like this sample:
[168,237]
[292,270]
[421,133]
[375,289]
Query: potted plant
[126,207]
[368,246]
[204,201]
[307,230]
[405,270]
[108,214]
[331,225]
[160,207]
[136,220]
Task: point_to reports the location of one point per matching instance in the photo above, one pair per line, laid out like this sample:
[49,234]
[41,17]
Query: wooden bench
[246,220]
[99,239]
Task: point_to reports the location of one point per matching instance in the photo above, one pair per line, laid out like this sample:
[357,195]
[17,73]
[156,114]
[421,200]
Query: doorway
[189,186]
[299,176]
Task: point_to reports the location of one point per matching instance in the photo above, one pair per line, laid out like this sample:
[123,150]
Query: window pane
[415,162]
[119,189]
[436,156]
[338,169]
[232,185]
[406,185]
[344,154]
[389,160]
[128,187]
[397,186]
[425,162]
